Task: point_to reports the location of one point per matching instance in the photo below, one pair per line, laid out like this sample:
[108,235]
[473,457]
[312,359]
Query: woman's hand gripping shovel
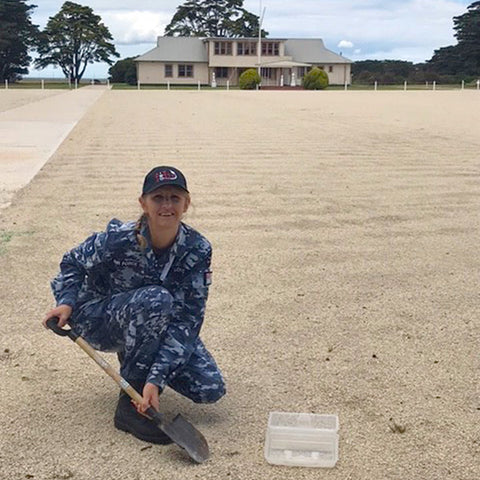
[182,432]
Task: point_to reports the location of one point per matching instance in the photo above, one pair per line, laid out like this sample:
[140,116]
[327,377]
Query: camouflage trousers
[133,324]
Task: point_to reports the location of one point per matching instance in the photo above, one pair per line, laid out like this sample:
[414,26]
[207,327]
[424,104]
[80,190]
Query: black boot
[129,420]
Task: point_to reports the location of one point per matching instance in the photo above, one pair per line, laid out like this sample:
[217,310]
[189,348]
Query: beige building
[218,61]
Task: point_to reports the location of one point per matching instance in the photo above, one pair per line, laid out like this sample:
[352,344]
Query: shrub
[249,79]
[315,79]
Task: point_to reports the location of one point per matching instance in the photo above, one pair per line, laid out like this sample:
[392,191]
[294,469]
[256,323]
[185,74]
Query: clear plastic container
[302,439]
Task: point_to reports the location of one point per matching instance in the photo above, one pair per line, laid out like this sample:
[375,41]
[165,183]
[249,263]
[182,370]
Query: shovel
[182,432]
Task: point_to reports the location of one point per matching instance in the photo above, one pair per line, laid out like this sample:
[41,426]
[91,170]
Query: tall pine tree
[463,58]
[17,36]
[72,39]
[467,32]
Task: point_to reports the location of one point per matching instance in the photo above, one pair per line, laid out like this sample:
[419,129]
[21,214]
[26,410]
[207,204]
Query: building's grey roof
[311,50]
[176,49]
[194,49]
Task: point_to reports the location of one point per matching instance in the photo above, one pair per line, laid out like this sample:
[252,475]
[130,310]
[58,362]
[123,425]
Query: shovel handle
[52,324]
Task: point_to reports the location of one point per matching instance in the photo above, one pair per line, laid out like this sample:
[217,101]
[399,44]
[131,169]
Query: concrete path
[30,134]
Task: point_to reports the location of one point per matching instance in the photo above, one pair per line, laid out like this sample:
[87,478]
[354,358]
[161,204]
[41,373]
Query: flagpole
[260,21]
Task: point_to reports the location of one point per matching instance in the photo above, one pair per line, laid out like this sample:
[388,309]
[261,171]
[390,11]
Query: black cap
[161,176]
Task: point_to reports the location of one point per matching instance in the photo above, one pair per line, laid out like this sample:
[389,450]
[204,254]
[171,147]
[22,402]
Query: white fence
[42,84]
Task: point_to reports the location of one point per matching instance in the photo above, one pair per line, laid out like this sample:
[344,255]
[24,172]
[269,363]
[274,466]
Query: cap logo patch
[165,175]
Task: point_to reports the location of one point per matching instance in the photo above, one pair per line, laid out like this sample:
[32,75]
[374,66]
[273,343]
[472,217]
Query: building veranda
[221,61]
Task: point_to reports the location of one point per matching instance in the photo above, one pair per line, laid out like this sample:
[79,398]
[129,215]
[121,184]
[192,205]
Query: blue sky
[362,29]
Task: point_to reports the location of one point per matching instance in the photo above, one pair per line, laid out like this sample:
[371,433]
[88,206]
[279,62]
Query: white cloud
[399,21]
[133,27]
[345,44]
[372,25]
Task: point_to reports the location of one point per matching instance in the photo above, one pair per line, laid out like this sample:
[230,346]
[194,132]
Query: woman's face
[165,206]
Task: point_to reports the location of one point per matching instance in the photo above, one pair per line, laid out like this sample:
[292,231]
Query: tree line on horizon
[76,37]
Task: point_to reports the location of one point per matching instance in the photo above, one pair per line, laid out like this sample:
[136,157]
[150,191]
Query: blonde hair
[142,241]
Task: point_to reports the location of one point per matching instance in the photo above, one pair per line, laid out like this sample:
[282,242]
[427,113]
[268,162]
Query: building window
[267,73]
[223,48]
[221,72]
[302,71]
[168,71]
[270,48]
[246,48]
[185,71]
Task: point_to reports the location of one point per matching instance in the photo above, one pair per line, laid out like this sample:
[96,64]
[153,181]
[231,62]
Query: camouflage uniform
[147,306]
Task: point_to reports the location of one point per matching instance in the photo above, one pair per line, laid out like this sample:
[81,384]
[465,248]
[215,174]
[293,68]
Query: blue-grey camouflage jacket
[112,262]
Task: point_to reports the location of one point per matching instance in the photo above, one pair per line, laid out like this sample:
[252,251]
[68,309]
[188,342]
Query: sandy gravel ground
[13,98]
[345,227]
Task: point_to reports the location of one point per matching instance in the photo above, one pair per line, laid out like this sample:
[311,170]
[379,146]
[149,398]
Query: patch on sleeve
[207,278]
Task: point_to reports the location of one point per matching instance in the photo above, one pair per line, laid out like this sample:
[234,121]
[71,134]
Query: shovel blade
[185,435]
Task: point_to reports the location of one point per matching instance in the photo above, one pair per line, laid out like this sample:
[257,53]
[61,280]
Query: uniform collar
[174,251]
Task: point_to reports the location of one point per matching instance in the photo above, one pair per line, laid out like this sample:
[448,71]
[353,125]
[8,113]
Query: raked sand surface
[14,98]
[345,228]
